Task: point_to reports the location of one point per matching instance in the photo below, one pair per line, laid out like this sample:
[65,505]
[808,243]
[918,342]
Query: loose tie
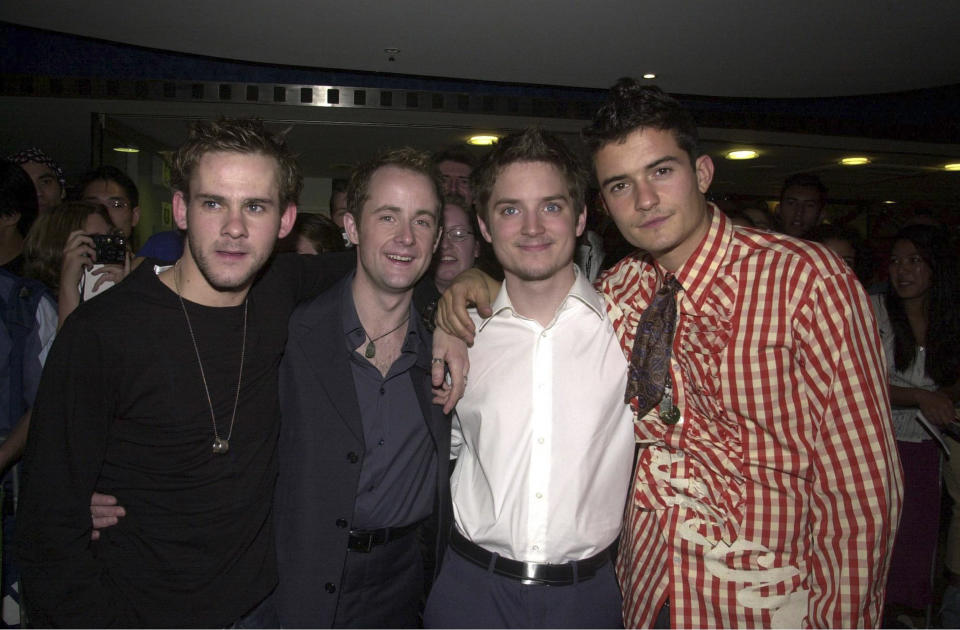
[650,359]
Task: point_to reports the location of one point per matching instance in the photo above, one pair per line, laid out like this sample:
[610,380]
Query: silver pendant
[371,351]
[669,413]
[220,446]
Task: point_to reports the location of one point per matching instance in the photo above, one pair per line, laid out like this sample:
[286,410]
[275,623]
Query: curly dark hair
[943,324]
[631,105]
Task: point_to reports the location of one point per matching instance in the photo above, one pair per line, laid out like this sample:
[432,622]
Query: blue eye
[510,211]
[553,207]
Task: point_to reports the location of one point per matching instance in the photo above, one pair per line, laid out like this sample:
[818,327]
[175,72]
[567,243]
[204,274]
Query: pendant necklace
[371,350]
[220,445]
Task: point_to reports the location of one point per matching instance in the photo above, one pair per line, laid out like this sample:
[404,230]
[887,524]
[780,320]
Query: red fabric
[775,500]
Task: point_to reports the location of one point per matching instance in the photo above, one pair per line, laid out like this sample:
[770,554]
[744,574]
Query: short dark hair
[109,173]
[454,154]
[807,180]
[237,135]
[863,263]
[631,105]
[321,231]
[358,189]
[18,195]
[337,185]
[530,145]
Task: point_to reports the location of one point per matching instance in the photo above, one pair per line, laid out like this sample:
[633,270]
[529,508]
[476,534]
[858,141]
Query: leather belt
[530,572]
[364,541]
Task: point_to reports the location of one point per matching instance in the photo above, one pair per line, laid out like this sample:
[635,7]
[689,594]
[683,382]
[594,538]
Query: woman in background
[919,323]
[59,249]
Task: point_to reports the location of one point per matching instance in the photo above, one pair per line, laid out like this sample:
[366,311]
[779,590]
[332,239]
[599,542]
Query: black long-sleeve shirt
[122,410]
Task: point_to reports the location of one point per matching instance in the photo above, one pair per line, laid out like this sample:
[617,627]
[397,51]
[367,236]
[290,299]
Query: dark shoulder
[302,276]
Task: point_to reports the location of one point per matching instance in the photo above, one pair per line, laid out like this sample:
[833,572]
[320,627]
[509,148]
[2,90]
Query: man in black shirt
[163,393]
[363,452]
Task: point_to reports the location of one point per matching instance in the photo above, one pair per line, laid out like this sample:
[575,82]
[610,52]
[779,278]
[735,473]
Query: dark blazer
[321,453]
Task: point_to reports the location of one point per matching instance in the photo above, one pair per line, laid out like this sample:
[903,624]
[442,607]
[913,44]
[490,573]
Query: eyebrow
[398,210]
[557,197]
[654,164]
[246,202]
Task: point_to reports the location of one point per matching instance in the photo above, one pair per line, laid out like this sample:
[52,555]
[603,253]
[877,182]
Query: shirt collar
[354,333]
[581,290]
[696,274]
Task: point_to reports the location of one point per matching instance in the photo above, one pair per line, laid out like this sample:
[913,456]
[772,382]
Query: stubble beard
[225,285]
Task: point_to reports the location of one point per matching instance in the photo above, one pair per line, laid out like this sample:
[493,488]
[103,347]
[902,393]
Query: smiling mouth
[399,258]
[444,259]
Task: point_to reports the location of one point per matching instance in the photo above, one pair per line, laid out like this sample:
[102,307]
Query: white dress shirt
[543,438]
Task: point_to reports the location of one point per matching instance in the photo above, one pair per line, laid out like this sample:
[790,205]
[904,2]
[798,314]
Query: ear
[180,210]
[582,220]
[134,217]
[704,167]
[287,219]
[351,228]
[484,231]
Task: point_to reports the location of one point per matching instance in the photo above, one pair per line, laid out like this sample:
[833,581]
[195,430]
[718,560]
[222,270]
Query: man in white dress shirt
[543,438]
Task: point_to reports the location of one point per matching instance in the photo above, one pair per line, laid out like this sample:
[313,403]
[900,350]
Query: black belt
[365,541]
[530,572]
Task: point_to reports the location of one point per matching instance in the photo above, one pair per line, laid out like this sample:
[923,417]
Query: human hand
[112,273]
[78,254]
[936,407]
[470,287]
[449,356]
[104,512]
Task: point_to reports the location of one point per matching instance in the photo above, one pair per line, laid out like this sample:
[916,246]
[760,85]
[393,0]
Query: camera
[110,248]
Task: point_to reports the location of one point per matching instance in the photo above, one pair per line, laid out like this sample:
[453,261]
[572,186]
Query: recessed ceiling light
[649,75]
[954,166]
[483,140]
[890,202]
[741,154]
[855,160]
[127,149]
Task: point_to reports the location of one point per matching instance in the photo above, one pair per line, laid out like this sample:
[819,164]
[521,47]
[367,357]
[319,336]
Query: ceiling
[757,48]
[710,48]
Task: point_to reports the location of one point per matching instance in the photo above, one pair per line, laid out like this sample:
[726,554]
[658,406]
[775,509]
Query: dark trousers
[383,588]
[468,596]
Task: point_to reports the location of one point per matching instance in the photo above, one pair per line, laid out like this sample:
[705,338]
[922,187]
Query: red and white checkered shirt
[774,501]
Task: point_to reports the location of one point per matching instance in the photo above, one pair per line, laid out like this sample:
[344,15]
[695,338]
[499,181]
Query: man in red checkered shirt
[772,499]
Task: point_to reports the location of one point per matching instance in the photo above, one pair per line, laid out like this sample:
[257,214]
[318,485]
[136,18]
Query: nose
[532,224]
[235,226]
[404,233]
[646,196]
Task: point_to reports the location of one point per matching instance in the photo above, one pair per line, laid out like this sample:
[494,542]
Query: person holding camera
[61,250]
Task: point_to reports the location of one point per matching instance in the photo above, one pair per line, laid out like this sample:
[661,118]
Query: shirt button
[539,495]
[535,548]
[380,443]
[342,523]
[330,587]
[352,457]
[539,440]
[382,391]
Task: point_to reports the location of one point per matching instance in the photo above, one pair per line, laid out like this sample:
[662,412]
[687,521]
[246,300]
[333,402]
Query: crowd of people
[519,392]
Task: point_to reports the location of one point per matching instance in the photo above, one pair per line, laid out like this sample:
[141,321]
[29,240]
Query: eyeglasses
[116,204]
[457,233]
